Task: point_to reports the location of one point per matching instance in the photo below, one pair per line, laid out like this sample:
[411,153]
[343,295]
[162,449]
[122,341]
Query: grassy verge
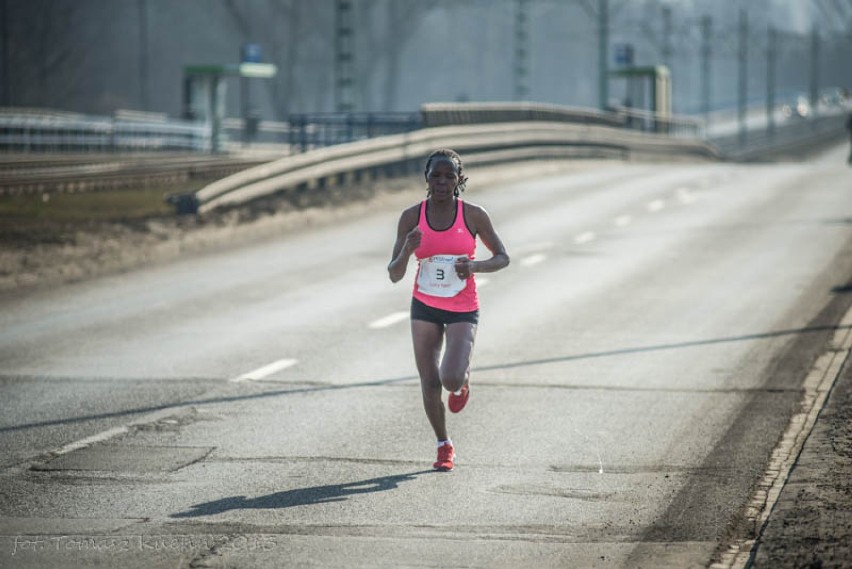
[53,218]
[108,205]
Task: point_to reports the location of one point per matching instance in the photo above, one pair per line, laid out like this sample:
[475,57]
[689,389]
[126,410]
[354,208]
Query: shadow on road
[843,289]
[300,496]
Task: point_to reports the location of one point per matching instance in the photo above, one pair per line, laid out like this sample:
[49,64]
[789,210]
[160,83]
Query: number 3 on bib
[437,276]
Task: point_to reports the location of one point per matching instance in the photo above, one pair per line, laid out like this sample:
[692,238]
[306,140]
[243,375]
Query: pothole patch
[115,458]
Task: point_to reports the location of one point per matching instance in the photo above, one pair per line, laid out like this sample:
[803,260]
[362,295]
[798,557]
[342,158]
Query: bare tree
[43,57]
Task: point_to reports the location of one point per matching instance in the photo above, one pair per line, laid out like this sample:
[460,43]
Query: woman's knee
[454,380]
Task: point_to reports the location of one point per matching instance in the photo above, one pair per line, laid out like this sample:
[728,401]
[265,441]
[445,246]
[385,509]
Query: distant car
[833,97]
[800,108]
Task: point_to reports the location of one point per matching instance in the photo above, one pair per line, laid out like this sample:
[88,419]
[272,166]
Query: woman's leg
[455,367]
[428,337]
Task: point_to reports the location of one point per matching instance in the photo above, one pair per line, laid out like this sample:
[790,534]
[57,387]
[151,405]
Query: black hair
[454,157]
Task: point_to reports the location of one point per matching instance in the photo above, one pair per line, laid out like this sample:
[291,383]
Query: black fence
[316,130]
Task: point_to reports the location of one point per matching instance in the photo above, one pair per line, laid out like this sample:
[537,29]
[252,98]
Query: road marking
[584,237]
[533,260]
[265,371]
[99,438]
[388,320]
[656,206]
[116,431]
[817,387]
[623,220]
[530,247]
[685,196]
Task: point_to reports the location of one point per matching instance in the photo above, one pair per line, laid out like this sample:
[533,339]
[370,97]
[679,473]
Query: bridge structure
[318,150]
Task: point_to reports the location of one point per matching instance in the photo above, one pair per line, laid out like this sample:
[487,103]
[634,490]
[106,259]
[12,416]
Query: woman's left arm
[485,230]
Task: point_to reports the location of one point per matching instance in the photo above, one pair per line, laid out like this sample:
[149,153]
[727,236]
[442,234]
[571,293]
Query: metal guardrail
[40,131]
[404,153]
[444,114]
[304,132]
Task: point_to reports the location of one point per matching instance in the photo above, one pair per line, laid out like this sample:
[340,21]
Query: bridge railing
[37,130]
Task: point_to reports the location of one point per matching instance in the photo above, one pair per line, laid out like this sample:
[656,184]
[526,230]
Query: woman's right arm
[407,240]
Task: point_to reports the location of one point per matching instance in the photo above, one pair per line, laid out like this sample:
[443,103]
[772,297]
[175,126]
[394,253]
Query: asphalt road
[635,367]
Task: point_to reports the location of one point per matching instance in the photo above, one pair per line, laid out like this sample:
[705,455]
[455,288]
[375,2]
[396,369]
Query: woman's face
[442,178]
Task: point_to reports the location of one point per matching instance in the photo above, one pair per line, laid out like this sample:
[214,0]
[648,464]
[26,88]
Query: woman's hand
[464,267]
[412,241]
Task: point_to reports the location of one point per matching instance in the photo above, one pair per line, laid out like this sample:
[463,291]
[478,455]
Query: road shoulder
[811,524]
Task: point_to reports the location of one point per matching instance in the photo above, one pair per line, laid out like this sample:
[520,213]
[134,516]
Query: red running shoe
[457,402]
[446,456]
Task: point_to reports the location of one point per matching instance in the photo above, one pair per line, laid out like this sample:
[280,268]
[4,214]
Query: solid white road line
[533,260]
[265,371]
[584,237]
[388,320]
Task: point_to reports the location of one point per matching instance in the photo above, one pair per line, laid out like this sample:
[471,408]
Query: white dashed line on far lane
[265,371]
[656,205]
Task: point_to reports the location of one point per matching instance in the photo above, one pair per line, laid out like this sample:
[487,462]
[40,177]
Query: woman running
[441,232]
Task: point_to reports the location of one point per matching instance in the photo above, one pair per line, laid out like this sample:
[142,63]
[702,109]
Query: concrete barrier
[793,137]
[478,143]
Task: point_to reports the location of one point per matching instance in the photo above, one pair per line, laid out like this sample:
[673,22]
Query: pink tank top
[437,284]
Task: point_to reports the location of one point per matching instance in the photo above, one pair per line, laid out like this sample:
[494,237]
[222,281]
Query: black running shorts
[420,311]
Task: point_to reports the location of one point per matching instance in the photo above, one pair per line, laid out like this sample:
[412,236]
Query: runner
[441,232]
[849,128]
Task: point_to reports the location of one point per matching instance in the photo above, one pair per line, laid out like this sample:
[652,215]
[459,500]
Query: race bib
[438,276]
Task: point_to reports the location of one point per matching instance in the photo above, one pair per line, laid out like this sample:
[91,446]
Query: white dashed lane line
[685,197]
[88,441]
[656,206]
[623,220]
[584,237]
[531,260]
[265,371]
[388,320]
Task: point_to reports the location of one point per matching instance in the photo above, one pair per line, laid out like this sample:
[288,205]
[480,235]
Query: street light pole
[521,51]
[706,54]
[603,53]
[814,79]
[771,58]
[344,59]
[143,54]
[5,98]
[742,99]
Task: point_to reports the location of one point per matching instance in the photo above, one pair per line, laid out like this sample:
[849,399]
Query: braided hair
[452,156]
